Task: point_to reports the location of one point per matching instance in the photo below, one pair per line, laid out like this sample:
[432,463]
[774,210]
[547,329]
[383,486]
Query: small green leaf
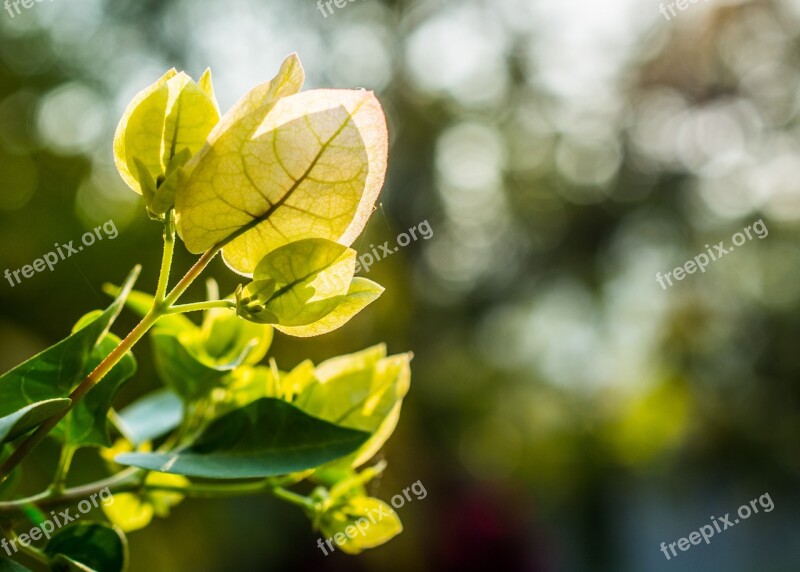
[152,416]
[266,438]
[161,129]
[7,565]
[183,372]
[247,384]
[87,424]
[362,293]
[225,338]
[308,279]
[14,425]
[306,288]
[193,360]
[53,373]
[196,360]
[95,545]
[361,523]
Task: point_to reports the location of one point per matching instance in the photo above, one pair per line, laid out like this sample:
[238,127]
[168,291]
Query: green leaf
[361,523]
[293,383]
[196,360]
[266,438]
[53,373]
[193,360]
[183,372]
[306,288]
[284,166]
[225,338]
[362,391]
[247,384]
[222,339]
[161,129]
[362,293]
[95,545]
[14,425]
[87,424]
[308,279]
[152,416]
[7,565]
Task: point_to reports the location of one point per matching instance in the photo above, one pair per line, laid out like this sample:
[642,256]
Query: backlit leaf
[363,391]
[362,293]
[308,165]
[161,129]
[308,279]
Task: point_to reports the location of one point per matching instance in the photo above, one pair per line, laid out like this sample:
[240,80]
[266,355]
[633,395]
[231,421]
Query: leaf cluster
[281,185]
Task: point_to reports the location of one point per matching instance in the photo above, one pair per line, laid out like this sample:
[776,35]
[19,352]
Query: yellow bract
[131,511]
[284,166]
[363,391]
[362,293]
[306,288]
[361,523]
[161,129]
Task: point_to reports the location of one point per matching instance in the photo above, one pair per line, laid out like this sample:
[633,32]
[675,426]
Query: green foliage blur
[567,413]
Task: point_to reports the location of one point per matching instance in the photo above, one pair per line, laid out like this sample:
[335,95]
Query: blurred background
[567,413]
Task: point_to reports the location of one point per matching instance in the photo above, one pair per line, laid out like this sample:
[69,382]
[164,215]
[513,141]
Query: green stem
[294,498]
[64,462]
[222,490]
[78,393]
[125,481]
[199,306]
[191,276]
[166,259]
[130,481]
[108,363]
